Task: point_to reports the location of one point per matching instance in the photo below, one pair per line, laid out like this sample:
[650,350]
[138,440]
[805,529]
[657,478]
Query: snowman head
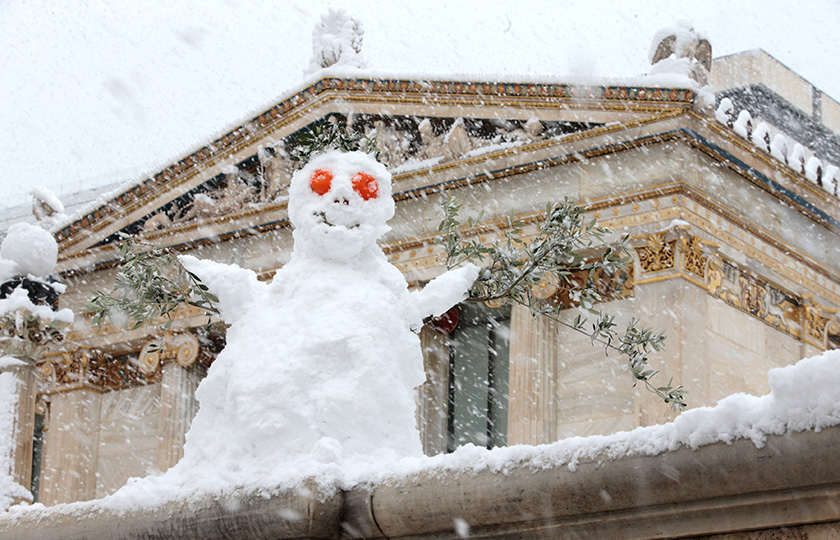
[339,204]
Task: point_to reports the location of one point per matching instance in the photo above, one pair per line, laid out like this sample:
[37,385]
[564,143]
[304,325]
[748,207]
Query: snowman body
[323,361]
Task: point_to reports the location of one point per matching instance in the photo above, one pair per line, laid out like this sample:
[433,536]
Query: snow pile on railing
[795,156]
[804,396]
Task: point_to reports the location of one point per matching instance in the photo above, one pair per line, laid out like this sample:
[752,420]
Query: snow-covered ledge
[748,463]
[792,480]
[718,488]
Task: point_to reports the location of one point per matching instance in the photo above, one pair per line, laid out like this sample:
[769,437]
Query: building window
[479,353]
[37,454]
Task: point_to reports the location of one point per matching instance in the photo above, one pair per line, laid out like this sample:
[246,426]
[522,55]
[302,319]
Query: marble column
[23,421]
[532,411]
[177,409]
[71,447]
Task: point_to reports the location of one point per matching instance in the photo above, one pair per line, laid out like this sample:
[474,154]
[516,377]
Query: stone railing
[790,486]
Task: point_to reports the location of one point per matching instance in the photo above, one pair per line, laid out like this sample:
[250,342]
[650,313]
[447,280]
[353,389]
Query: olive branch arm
[151,283]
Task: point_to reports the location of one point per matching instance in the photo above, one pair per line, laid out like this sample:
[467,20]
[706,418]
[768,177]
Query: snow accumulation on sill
[804,396]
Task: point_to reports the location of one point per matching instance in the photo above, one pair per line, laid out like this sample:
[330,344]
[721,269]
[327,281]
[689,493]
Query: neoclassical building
[731,208]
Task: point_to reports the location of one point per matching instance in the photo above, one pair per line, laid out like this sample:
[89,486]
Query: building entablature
[637,158]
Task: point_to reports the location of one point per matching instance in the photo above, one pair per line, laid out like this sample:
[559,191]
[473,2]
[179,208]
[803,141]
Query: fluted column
[532,409]
[71,447]
[177,409]
[433,394]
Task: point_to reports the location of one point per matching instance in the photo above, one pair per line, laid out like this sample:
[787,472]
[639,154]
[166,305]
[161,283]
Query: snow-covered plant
[512,268]
[337,40]
[325,135]
[151,284]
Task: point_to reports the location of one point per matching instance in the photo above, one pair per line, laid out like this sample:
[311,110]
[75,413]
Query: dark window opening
[37,454]
[479,354]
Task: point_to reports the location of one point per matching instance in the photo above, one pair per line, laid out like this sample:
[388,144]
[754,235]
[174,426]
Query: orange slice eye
[320,181]
[365,185]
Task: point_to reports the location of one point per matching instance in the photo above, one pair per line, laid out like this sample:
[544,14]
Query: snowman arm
[235,287]
[444,291]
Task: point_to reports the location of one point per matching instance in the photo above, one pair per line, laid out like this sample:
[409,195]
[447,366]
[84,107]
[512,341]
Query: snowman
[322,362]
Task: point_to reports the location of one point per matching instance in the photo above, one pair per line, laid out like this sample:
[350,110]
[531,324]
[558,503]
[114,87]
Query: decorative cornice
[689,136]
[788,256]
[691,257]
[92,369]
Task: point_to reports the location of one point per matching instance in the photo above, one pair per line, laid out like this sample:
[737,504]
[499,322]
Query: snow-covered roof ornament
[46,207]
[337,41]
[682,48]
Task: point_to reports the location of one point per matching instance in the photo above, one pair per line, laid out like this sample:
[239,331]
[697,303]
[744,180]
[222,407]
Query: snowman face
[339,204]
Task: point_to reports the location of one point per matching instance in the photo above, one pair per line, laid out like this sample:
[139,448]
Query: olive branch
[151,283]
[512,267]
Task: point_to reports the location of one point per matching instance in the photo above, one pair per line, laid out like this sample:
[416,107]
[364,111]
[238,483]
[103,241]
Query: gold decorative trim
[819,326]
[181,348]
[657,254]
[87,368]
[676,253]
[92,369]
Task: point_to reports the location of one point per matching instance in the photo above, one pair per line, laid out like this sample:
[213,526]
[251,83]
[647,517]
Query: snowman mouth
[323,219]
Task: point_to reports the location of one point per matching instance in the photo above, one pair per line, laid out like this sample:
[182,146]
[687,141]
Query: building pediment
[422,125]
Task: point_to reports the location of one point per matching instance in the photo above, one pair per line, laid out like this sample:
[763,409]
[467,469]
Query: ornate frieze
[91,369]
[670,253]
[676,253]
[609,285]
[657,254]
[819,328]
[694,257]
[753,295]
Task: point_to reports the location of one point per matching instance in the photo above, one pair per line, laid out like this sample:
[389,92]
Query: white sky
[95,92]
